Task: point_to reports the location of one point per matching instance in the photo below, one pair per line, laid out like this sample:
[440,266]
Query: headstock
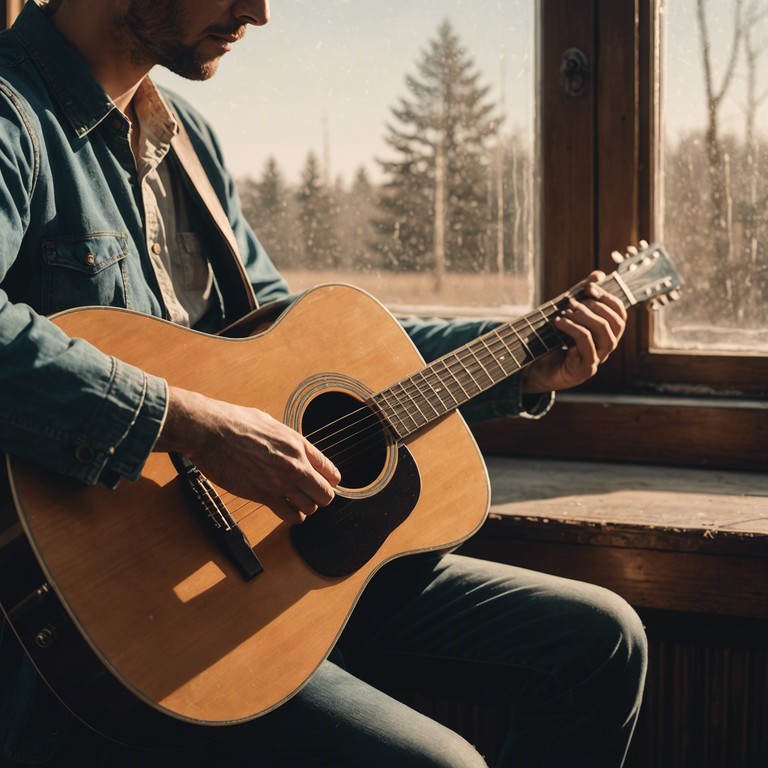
[647,274]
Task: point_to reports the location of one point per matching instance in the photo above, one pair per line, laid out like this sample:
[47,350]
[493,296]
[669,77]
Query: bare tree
[717,160]
[755,45]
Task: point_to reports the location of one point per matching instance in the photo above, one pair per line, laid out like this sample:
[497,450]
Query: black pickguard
[340,538]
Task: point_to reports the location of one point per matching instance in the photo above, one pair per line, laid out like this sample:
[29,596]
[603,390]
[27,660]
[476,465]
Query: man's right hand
[248,453]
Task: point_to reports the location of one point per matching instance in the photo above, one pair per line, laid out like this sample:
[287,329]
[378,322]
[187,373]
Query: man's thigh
[567,658]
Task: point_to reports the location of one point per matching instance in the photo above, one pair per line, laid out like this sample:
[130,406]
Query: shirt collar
[80,95]
[155,114]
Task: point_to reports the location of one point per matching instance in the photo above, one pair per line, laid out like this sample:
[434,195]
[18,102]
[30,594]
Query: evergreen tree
[357,211]
[318,218]
[434,204]
[270,210]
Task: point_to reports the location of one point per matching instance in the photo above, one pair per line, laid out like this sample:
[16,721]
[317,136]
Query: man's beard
[154,29]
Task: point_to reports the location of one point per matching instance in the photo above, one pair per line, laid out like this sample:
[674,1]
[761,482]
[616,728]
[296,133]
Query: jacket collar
[80,95]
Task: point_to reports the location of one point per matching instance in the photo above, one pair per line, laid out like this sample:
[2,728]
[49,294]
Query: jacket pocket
[194,270]
[85,270]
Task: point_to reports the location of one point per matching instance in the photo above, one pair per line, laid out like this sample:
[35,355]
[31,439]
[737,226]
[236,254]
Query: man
[98,206]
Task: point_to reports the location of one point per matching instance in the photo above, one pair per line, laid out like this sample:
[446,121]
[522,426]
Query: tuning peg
[643,244]
[631,249]
[617,257]
[674,295]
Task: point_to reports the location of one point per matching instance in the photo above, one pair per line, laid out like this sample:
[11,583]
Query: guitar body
[127,581]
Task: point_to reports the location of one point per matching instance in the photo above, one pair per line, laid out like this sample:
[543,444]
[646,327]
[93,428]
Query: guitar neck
[456,378]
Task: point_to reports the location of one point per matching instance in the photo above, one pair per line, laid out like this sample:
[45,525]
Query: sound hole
[350,434]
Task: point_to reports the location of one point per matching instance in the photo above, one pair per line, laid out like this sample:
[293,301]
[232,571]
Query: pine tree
[318,218]
[434,204]
[357,212]
[269,208]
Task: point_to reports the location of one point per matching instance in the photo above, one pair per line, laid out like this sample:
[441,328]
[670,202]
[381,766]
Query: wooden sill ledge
[693,540]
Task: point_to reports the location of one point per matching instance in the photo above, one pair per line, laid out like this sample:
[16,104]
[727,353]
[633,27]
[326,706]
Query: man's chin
[197,70]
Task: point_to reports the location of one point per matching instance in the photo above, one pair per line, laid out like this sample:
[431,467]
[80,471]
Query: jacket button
[157,249]
[84,454]
[90,260]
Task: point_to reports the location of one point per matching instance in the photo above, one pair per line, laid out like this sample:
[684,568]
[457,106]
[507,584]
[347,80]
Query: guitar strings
[490,346]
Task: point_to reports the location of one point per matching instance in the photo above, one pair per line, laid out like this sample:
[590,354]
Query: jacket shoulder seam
[18,104]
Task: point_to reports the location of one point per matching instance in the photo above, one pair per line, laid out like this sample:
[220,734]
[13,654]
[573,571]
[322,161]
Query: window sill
[687,540]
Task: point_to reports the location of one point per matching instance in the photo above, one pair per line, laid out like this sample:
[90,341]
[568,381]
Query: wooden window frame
[598,166]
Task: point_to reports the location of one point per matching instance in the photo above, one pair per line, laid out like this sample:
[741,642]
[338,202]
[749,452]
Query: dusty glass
[714,173]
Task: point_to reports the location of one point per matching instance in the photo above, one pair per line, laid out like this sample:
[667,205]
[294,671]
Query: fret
[471,350]
[507,347]
[545,347]
[469,372]
[529,354]
[431,389]
[410,415]
[445,386]
[557,309]
[390,413]
[409,385]
[559,339]
[454,378]
[496,359]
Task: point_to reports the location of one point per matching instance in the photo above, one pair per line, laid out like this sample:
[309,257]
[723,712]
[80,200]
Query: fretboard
[456,378]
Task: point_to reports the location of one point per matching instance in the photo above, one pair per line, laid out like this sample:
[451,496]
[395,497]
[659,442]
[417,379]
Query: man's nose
[254,12]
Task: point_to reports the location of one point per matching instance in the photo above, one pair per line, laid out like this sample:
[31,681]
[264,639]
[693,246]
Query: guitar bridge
[216,519]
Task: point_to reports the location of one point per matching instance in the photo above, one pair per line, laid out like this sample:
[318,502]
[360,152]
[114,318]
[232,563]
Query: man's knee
[615,637]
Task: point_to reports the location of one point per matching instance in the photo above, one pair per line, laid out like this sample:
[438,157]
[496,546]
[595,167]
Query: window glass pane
[387,145]
[714,173]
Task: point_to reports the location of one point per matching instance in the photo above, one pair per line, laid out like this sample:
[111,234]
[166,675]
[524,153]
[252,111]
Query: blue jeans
[569,658]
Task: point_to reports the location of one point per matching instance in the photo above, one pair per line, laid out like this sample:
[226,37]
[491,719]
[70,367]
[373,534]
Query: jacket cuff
[133,451]
[128,424]
[506,399]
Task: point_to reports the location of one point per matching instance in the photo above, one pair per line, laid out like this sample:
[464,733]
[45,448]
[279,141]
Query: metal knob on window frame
[574,73]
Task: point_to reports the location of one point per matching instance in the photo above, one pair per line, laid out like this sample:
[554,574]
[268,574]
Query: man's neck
[89,27]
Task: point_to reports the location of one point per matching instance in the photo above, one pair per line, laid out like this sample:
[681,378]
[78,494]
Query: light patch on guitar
[199,582]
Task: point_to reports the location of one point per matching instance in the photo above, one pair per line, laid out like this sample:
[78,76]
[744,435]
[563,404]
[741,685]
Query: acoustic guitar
[170,601]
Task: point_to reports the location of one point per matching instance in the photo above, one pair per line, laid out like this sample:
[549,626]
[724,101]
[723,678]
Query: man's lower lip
[225,45]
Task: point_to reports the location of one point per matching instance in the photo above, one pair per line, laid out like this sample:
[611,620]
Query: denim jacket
[72,235]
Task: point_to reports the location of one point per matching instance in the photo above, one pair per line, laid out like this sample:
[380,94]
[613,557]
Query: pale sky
[334,68]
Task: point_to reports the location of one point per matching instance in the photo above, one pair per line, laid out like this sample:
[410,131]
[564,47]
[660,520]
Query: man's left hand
[594,326]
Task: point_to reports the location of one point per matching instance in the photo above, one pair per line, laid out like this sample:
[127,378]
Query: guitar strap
[236,290]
